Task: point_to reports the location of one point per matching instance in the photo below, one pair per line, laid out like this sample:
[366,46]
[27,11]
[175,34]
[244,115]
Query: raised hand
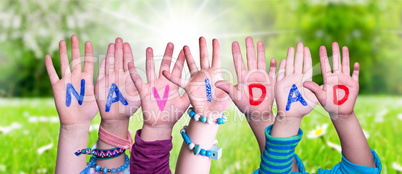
[117,96]
[74,92]
[339,92]
[292,99]
[75,104]
[254,93]
[161,102]
[200,88]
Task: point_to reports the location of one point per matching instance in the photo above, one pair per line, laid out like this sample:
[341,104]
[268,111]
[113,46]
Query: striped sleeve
[278,153]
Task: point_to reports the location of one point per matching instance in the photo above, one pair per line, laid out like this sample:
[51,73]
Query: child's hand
[67,104]
[161,104]
[293,100]
[256,107]
[113,75]
[339,92]
[204,96]
[255,104]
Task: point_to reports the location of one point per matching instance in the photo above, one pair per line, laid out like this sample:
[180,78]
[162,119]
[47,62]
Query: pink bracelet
[114,140]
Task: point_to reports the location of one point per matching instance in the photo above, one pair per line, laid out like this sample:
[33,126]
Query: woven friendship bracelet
[196,117]
[98,168]
[101,153]
[214,153]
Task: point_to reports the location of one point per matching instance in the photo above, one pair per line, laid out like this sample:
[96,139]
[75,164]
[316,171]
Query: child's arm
[207,101]
[162,107]
[75,103]
[254,93]
[116,96]
[338,96]
[293,102]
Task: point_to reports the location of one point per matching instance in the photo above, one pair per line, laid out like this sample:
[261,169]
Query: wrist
[260,117]
[213,114]
[116,127]
[285,126]
[156,132]
[75,128]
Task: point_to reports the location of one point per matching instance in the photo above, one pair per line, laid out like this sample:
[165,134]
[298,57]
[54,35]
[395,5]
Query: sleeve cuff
[349,167]
[152,147]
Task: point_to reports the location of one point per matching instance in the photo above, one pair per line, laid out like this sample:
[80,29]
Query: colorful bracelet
[102,154]
[214,153]
[204,119]
[98,168]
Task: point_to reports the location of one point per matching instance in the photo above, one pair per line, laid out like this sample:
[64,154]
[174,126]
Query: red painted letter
[341,101]
[250,91]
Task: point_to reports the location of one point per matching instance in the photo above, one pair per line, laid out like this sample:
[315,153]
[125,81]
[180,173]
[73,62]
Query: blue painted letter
[110,99]
[208,88]
[70,89]
[298,97]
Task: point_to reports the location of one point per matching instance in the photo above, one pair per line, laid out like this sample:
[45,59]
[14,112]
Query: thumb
[316,89]
[227,87]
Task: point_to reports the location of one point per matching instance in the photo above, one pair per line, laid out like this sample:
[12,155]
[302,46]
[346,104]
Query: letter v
[161,101]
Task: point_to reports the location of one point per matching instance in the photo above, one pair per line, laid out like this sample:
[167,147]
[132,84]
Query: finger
[336,57]
[150,65]
[89,59]
[316,89]
[216,54]
[118,54]
[298,64]
[138,83]
[53,77]
[250,54]
[190,61]
[110,60]
[203,53]
[289,61]
[127,55]
[102,70]
[261,56]
[272,68]
[64,63]
[345,61]
[281,71]
[307,63]
[356,70]
[325,67]
[178,66]
[75,54]
[238,61]
[228,88]
[167,59]
[175,80]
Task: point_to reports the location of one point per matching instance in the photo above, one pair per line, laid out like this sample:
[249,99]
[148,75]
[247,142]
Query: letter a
[111,100]
[262,97]
[70,89]
[341,101]
[298,97]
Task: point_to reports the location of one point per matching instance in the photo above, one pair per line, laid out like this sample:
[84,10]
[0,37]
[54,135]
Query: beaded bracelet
[214,153]
[101,154]
[204,119]
[98,168]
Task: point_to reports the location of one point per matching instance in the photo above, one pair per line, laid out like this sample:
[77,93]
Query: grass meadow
[29,131]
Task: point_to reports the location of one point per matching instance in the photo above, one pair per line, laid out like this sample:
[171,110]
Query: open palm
[292,74]
[114,70]
[339,92]
[160,98]
[70,111]
[214,100]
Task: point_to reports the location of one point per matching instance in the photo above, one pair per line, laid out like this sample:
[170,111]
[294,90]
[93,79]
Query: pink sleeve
[150,157]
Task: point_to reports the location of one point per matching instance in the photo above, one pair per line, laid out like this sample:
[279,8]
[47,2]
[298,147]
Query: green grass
[240,149]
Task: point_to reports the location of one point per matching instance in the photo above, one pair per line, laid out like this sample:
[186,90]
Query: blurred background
[31,29]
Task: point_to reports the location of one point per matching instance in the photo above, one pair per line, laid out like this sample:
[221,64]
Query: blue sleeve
[346,166]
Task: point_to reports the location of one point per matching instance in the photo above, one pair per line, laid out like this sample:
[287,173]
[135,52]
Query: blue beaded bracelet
[214,153]
[204,119]
[98,168]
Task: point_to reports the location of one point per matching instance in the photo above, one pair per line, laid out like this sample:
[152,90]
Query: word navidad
[295,96]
